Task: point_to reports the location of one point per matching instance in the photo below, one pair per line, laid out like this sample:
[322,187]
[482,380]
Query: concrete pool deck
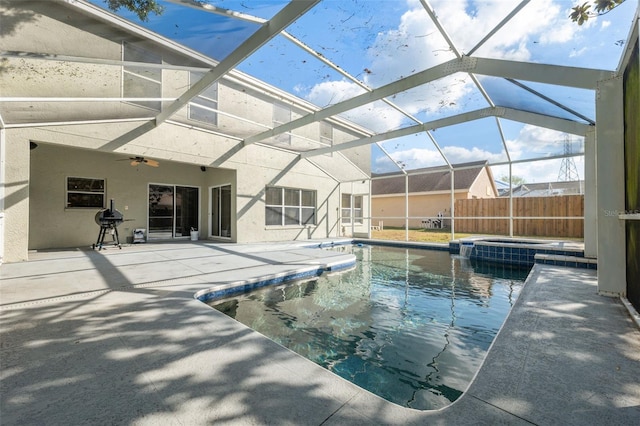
[116,337]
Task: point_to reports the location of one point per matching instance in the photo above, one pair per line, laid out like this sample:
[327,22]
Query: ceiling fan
[135,161]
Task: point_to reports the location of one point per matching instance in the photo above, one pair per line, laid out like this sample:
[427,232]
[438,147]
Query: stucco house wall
[35,215]
[484,186]
[421,207]
[390,208]
[52,225]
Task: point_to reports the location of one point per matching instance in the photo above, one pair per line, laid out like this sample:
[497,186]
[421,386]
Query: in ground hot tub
[514,251]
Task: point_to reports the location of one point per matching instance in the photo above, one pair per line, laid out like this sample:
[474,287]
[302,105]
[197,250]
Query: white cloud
[467,29]
[531,142]
[538,171]
[457,154]
[331,92]
[575,53]
[604,24]
[540,21]
[416,158]
[381,117]
[539,142]
[532,172]
[415,44]
[378,116]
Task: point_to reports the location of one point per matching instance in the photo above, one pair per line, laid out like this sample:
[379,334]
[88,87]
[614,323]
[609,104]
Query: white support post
[510,200]
[453,203]
[15,181]
[369,202]
[2,183]
[610,180]
[353,210]
[406,207]
[590,196]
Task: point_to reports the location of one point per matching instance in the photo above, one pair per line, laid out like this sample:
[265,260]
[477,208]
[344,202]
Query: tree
[142,8]
[581,13]
[515,180]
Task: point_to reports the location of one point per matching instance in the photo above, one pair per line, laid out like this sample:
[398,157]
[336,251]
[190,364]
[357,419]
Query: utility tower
[568,170]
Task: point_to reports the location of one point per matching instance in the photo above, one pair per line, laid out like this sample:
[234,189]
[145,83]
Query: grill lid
[109,216]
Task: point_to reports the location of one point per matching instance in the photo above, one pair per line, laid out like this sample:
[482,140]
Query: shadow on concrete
[134,357]
[565,356]
[152,356]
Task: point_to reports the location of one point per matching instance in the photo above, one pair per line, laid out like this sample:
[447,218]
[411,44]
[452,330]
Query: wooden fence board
[563,206]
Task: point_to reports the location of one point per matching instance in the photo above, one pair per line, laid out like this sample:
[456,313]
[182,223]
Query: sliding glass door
[173,210]
[221,211]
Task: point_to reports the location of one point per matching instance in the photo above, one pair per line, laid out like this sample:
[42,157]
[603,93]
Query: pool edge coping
[238,287]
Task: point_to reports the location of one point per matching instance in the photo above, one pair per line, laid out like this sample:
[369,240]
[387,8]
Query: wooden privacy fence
[559,206]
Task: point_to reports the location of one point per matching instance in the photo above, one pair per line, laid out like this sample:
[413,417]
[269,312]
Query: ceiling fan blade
[136,161]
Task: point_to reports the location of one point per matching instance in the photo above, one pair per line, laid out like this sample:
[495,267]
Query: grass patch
[442,235]
[416,235]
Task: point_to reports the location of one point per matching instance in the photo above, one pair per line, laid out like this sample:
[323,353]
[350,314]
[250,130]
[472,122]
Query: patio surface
[116,337]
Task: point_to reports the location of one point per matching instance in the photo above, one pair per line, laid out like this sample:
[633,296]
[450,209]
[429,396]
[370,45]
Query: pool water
[409,325]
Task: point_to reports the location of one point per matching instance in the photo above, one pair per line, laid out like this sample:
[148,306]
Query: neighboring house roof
[502,187]
[430,179]
[500,184]
[546,189]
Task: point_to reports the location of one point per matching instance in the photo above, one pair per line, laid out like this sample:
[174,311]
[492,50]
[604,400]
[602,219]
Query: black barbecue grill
[108,220]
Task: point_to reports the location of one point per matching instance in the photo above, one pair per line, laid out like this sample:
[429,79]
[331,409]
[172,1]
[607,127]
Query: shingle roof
[545,189]
[428,179]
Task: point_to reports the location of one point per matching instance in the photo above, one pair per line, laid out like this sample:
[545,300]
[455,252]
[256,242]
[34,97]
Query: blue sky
[379,41]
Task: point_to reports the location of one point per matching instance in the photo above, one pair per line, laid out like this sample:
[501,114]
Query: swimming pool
[409,325]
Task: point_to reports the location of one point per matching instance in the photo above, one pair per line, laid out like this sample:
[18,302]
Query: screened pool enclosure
[423,86]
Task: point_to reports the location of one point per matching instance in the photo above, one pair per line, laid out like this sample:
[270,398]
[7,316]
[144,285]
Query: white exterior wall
[53,225]
[40,219]
[237,101]
[610,195]
[590,196]
[2,181]
[16,200]
[76,151]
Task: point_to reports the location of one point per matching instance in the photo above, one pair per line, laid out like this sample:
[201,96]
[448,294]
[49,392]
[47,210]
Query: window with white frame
[140,81]
[85,192]
[281,115]
[289,206]
[357,209]
[352,209]
[204,107]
